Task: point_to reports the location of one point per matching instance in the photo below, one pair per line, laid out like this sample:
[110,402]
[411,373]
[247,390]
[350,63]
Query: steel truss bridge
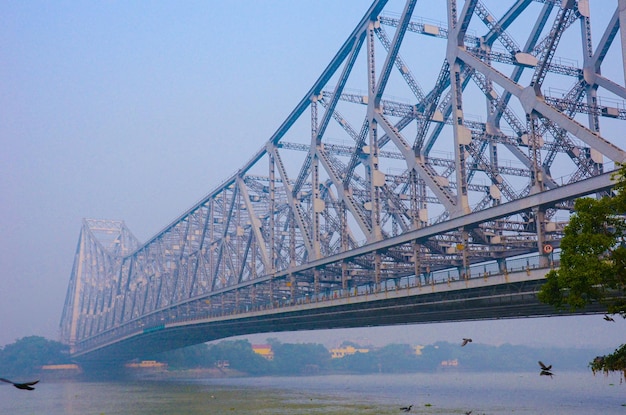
[442,147]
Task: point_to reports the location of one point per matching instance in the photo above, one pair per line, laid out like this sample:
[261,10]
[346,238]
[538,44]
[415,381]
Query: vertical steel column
[622,29]
[540,223]
[317,202]
[377,271]
[372,165]
[416,262]
[292,286]
[211,246]
[343,224]
[463,248]
[491,98]
[534,152]
[462,135]
[591,90]
[292,239]
[271,291]
[415,206]
[272,211]
[377,180]
[316,282]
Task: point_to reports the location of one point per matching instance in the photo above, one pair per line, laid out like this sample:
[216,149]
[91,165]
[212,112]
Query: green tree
[26,356]
[356,363]
[299,358]
[196,356]
[396,358]
[593,263]
[240,356]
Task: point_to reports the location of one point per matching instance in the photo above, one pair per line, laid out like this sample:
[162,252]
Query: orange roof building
[264,350]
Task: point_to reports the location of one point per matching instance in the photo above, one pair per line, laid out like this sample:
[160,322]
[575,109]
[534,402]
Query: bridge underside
[516,299]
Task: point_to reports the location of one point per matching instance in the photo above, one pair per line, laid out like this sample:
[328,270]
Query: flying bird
[406,408]
[26,385]
[608,318]
[465,341]
[468,412]
[544,367]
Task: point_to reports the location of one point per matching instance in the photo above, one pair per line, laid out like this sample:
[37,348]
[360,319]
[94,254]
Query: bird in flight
[543,366]
[406,408]
[26,385]
[608,318]
[545,369]
[465,341]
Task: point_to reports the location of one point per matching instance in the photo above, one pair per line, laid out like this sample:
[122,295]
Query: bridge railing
[482,270]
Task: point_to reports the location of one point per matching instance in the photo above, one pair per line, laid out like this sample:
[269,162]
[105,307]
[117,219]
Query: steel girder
[347,189]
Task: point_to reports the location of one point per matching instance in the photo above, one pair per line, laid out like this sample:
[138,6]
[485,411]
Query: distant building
[147,364]
[66,368]
[264,350]
[450,363]
[69,366]
[65,371]
[340,352]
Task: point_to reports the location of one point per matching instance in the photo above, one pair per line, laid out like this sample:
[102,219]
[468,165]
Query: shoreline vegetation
[239,358]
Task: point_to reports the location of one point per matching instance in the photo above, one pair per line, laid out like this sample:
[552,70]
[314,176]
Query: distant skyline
[590,331]
[135,110]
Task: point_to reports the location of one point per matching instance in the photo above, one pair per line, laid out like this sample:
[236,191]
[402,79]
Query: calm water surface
[440,393]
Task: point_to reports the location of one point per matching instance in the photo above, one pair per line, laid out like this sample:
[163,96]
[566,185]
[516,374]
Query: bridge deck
[510,295]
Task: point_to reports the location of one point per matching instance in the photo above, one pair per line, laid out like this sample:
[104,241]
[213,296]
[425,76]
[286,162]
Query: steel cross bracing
[422,146]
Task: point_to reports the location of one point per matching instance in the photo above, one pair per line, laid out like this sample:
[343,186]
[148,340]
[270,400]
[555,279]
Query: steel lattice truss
[415,124]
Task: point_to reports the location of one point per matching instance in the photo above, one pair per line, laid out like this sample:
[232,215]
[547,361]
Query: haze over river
[429,393]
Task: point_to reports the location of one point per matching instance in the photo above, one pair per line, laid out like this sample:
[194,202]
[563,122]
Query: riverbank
[198,373]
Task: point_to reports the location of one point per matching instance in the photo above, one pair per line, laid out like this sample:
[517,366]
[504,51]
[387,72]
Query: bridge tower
[101,246]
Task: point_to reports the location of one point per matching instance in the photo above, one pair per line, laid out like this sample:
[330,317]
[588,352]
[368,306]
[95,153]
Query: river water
[438,393]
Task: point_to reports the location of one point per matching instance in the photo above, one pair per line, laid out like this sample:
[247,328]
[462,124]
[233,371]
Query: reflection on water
[440,393]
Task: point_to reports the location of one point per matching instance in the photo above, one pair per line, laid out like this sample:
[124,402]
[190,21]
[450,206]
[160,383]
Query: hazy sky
[135,110]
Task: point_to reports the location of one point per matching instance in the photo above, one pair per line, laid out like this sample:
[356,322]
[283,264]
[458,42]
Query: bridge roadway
[482,297]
